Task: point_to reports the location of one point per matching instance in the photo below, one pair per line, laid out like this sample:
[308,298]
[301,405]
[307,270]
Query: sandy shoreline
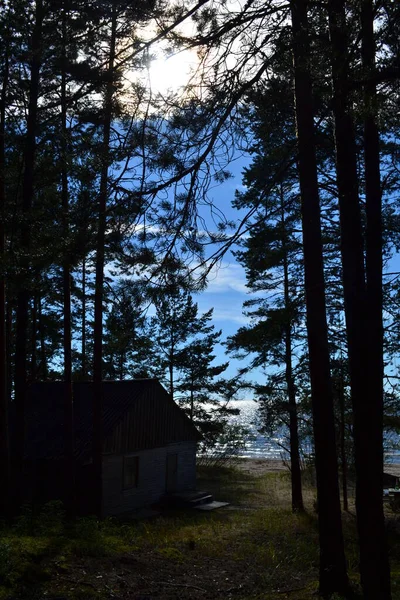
[392,469]
[260,466]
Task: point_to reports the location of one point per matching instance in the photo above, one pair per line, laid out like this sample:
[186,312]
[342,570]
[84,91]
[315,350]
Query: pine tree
[127,343]
[361,297]
[271,258]
[122,17]
[97,443]
[333,574]
[175,323]
[198,390]
[67,333]
[35,63]
[4,429]
[184,357]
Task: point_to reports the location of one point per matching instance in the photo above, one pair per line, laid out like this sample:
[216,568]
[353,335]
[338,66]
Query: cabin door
[172,472]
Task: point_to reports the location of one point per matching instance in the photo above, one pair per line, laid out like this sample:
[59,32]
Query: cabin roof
[157,420]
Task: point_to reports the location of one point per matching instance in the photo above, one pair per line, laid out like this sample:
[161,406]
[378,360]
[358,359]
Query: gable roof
[155,420]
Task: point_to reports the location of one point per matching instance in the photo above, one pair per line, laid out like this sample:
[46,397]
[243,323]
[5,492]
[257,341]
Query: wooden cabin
[149,445]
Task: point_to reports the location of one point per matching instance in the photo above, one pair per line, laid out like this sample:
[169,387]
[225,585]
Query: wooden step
[211,505]
[206,499]
[188,499]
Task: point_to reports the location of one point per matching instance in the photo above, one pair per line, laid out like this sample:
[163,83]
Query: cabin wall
[152,475]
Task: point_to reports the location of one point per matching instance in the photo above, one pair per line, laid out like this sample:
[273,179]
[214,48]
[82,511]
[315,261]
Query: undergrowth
[256,549]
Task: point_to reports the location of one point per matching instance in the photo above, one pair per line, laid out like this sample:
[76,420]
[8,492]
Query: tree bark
[374,562]
[69,493]
[364,328]
[5,495]
[9,349]
[33,338]
[342,434]
[332,574]
[83,341]
[121,365]
[295,470]
[99,284]
[171,373]
[24,283]
[43,356]
[191,403]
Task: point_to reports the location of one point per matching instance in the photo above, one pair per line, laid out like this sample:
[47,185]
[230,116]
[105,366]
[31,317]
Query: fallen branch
[290,590]
[78,582]
[185,585]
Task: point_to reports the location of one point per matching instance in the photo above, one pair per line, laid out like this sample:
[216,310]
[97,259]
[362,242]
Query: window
[130,472]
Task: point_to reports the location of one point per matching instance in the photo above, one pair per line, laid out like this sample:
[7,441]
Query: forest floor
[254,549]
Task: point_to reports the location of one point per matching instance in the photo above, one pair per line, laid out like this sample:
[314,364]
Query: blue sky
[226,290]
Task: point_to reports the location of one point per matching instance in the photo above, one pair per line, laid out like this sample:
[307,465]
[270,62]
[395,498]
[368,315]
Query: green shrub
[20,558]
[87,539]
[91,537]
[87,528]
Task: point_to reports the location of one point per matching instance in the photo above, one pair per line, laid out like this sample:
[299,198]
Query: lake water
[259,446]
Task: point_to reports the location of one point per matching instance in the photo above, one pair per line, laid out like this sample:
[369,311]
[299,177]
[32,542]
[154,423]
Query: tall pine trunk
[9,350]
[295,470]
[43,355]
[99,284]
[121,365]
[374,563]
[9,345]
[33,339]
[25,241]
[171,373]
[364,328]
[83,325]
[342,434]
[5,496]
[69,475]
[191,402]
[332,573]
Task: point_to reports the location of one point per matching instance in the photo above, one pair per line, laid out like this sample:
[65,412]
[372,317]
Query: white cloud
[226,314]
[227,277]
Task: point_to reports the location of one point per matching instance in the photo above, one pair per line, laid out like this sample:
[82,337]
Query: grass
[255,549]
